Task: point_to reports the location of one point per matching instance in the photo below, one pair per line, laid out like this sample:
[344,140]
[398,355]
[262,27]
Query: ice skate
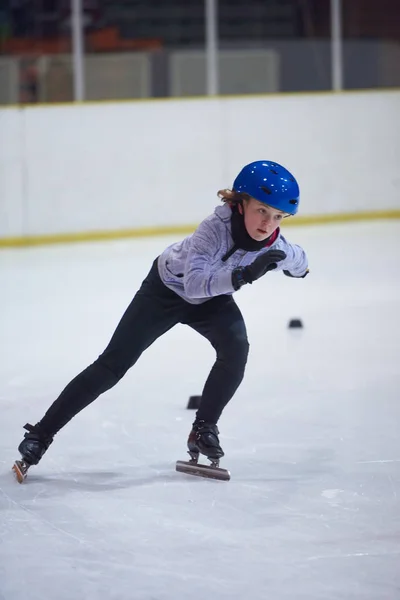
[32,448]
[203,439]
[20,468]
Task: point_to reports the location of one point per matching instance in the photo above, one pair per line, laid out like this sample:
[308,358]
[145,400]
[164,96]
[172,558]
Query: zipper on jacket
[229,253]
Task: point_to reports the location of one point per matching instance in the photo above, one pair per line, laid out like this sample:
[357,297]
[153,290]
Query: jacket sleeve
[200,279]
[295,263]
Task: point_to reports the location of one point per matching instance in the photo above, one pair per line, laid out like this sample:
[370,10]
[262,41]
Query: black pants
[152,312]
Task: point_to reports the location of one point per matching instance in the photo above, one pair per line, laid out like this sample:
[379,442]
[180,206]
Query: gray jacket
[193,268]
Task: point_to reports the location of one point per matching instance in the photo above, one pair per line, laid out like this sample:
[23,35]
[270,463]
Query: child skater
[193,282]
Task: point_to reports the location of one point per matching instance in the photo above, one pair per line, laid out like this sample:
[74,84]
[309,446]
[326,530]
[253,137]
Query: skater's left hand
[296,276]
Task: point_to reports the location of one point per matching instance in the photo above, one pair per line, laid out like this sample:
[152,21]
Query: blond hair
[231,197]
[234,198]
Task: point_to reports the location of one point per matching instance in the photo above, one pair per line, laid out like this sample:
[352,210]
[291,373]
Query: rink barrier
[165,99]
[97,236]
[52,190]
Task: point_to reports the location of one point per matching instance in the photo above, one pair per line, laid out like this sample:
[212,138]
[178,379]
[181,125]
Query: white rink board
[66,169]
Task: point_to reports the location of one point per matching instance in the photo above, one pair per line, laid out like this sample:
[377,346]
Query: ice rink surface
[312,437]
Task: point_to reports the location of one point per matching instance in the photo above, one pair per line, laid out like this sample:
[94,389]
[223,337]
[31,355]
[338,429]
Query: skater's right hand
[261,265]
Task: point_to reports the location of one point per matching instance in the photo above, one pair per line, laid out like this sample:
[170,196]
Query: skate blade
[192,468]
[20,471]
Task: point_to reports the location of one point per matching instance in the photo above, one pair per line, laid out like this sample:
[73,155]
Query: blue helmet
[270,183]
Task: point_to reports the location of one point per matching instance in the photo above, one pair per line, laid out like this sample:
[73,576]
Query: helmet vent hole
[274,172]
[293,201]
[266,190]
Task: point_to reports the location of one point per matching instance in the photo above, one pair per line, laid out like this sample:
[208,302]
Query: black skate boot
[32,448]
[203,439]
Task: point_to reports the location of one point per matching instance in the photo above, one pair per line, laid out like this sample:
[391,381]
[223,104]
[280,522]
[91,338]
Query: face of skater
[260,219]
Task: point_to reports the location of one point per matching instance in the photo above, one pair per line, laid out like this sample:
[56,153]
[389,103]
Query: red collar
[272,238]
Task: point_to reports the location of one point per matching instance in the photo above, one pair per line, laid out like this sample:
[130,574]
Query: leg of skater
[221,322]
[152,312]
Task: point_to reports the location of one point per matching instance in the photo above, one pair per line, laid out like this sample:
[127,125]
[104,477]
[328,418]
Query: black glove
[262,264]
[296,276]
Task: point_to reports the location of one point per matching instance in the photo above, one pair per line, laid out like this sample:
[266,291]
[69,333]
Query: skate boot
[203,439]
[32,448]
